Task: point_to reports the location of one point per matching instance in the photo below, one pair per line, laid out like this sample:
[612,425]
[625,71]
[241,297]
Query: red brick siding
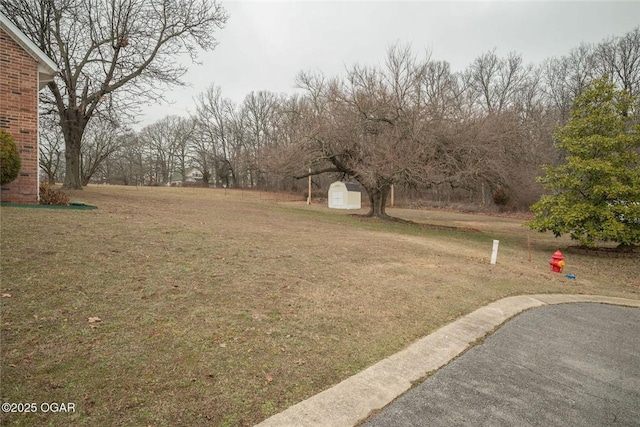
[19,116]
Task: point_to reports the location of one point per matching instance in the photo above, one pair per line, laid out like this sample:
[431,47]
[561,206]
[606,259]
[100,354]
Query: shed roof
[47,69]
[352,186]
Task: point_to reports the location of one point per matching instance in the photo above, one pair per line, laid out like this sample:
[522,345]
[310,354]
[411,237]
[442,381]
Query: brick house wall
[19,116]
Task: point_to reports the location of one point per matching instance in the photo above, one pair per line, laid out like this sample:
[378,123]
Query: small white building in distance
[345,195]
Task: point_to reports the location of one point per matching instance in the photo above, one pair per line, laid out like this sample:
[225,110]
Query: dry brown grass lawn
[223,308]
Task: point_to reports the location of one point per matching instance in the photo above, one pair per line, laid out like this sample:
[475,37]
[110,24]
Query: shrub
[500,197]
[9,158]
[51,196]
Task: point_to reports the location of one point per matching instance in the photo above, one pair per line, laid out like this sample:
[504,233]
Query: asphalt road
[557,365]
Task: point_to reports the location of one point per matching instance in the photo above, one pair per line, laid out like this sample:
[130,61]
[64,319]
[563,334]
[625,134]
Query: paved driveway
[557,365]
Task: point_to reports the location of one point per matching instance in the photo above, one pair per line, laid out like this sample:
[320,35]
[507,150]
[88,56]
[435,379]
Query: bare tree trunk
[73,123]
[72,179]
[378,201]
[205,177]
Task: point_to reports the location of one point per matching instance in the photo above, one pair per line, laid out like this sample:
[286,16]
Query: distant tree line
[478,136]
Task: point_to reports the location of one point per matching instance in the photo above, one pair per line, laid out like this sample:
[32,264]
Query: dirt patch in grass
[224,307]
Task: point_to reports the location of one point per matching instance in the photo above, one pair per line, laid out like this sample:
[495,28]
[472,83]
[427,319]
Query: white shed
[344,195]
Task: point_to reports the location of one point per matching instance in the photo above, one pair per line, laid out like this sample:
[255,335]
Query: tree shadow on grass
[620,251]
[393,220]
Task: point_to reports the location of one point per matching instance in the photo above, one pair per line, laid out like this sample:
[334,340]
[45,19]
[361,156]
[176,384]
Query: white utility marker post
[494,252]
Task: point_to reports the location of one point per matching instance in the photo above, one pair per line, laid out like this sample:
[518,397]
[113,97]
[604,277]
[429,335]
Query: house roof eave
[47,68]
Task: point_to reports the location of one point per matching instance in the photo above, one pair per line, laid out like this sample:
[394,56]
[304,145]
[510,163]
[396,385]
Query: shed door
[337,198]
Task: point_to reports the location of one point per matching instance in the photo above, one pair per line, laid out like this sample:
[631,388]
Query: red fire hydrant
[557,261]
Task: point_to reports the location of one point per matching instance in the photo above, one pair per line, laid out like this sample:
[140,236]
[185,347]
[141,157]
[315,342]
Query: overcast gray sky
[266,43]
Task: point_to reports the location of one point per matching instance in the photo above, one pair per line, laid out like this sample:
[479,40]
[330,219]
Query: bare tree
[440,90]
[289,130]
[482,76]
[619,58]
[374,126]
[567,76]
[496,81]
[105,48]
[100,140]
[240,156]
[128,165]
[51,149]
[159,152]
[166,145]
[182,134]
[202,156]
[258,112]
[214,149]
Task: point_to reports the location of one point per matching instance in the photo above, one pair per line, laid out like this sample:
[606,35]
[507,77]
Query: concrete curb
[353,400]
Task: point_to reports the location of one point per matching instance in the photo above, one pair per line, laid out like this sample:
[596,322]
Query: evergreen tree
[595,193]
